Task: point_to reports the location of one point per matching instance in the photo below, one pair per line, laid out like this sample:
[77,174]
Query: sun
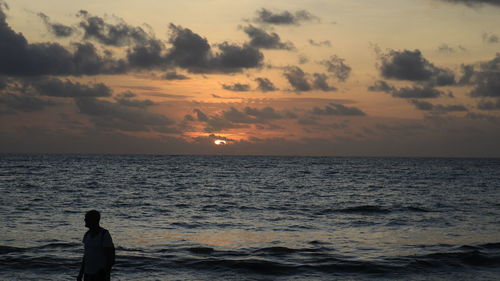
[220,142]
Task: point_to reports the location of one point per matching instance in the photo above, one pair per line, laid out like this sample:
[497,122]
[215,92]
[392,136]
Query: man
[99,254]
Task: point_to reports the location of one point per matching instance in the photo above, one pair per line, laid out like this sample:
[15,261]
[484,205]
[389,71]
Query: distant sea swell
[269,261]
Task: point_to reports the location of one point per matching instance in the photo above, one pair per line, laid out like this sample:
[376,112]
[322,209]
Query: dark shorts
[100,276]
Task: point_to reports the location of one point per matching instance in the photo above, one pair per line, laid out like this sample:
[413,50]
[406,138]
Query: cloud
[381,86]
[20,58]
[303,59]
[200,115]
[149,54]
[268,113]
[111,116]
[338,67]
[265,85]
[188,50]
[490,38]
[283,18]
[447,49]
[474,3]
[325,43]
[320,82]
[489,105]
[338,110]
[484,77]
[236,87]
[120,34]
[224,121]
[4,82]
[172,75]
[191,51]
[297,79]
[480,116]
[54,87]
[126,99]
[427,106]
[25,103]
[234,58]
[259,38]
[234,118]
[412,66]
[417,92]
[57,29]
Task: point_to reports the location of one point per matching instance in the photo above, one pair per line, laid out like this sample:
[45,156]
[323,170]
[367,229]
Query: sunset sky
[309,77]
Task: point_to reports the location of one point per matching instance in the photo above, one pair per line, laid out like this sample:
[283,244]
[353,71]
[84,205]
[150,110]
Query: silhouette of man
[99,254]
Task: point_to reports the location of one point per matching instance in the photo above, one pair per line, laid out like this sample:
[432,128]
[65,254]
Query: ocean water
[253,218]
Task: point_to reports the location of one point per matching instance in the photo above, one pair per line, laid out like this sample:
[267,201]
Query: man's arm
[109,250]
[82,268]
[109,253]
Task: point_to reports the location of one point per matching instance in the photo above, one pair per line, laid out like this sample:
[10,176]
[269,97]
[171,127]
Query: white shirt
[95,260]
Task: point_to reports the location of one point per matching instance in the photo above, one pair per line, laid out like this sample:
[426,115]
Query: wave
[372,209]
[268,260]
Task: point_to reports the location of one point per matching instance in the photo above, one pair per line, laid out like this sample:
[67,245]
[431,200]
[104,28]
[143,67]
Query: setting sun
[220,142]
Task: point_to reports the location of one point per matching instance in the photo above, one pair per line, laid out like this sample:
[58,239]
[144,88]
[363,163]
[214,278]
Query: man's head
[92,219]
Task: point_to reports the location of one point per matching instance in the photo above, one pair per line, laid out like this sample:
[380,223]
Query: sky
[405,78]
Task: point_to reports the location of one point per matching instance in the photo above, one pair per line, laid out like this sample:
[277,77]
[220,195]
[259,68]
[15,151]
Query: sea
[253,217]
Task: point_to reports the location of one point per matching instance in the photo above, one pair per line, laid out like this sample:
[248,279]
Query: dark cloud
[201,116]
[111,116]
[297,79]
[259,38]
[489,105]
[480,116]
[338,67]
[24,103]
[447,49]
[338,109]
[427,106]
[467,74]
[303,59]
[484,77]
[192,52]
[417,92]
[120,34]
[235,118]
[172,75]
[227,120]
[148,55]
[320,82]
[4,82]
[284,17]
[325,43]
[381,86]
[54,87]
[265,85]
[126,99]
[189,50]
[20,58]
[236,87]
[57,29]
[490,38]
[474,3]
[188,117]
[234,58]
[412,66]
[268,113]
